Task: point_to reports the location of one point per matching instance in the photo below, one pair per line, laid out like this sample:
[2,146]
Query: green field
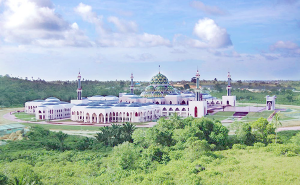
[25,117]
[220,115]
[63,127]
[251,116]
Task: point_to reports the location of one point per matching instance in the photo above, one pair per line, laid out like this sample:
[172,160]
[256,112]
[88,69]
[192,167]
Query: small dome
[160,88]
[159,79]
[157,94]
[149,88]
[170,88]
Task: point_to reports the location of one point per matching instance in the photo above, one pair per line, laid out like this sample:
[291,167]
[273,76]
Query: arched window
[183,109]
[164,109]
[171,109]
[177,109]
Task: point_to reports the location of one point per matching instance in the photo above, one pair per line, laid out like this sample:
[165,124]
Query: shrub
[259,145]
[3,179]
[239,146]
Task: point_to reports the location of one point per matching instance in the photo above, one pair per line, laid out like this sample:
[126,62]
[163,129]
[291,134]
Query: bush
[259,145]
[239,146]
[3,179]
[287,150]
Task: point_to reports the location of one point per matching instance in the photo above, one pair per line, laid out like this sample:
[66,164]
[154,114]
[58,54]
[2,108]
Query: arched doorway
[87,117]
[101,118]
[94,118]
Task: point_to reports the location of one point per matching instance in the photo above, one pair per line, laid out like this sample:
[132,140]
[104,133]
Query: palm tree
[127,131]
[276,121]
[60,136]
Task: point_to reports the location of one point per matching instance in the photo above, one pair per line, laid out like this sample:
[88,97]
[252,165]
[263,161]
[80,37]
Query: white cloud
[126,34]
[35,22]
[213,10]
[122,25]
[284,45]
[208,31]
[210,34]
[287,49]
[85,11]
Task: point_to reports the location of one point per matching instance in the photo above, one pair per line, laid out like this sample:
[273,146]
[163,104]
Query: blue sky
[108,40]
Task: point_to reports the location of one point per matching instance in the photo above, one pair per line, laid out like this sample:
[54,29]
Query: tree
[186,86]
[60,136]
[243,133]
[126,156]
[116,134]
[289,97]
[276,121]
[263,129]
[127,131]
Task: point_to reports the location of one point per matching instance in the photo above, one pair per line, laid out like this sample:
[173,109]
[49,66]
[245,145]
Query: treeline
[15,91]
[175,151]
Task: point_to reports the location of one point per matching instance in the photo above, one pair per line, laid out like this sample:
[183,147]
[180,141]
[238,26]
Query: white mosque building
[159,99]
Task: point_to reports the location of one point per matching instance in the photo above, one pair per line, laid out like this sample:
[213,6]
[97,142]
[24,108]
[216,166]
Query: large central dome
[159,79]
[159,87]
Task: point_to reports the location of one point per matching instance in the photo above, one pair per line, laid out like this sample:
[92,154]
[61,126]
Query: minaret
[131,85]
[79,90]
[197,90]
[229,85]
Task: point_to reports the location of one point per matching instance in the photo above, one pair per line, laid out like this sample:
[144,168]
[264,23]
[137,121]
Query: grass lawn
[252,116]
[25,117]
[220,115]
[63,127]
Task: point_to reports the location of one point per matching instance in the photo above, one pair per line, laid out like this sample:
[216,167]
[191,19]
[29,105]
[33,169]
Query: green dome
[159,79]
[170,88]
[157,94]
[149,88]
[160,88]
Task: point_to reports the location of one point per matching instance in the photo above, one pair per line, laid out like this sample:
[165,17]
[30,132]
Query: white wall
[201,107]
[230,99]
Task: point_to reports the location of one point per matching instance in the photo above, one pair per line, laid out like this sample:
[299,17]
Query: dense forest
[175,151]
[15,91]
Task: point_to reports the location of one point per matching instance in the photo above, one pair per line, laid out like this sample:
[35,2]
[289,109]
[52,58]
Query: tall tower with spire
[197,108]
[228,100]
[131,84]
[229,85]
[79,89]
[197,90]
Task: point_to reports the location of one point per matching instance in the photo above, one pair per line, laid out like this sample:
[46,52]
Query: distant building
[270,102]
[48,109]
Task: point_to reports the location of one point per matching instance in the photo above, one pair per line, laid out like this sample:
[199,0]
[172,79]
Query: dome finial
[159,69]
